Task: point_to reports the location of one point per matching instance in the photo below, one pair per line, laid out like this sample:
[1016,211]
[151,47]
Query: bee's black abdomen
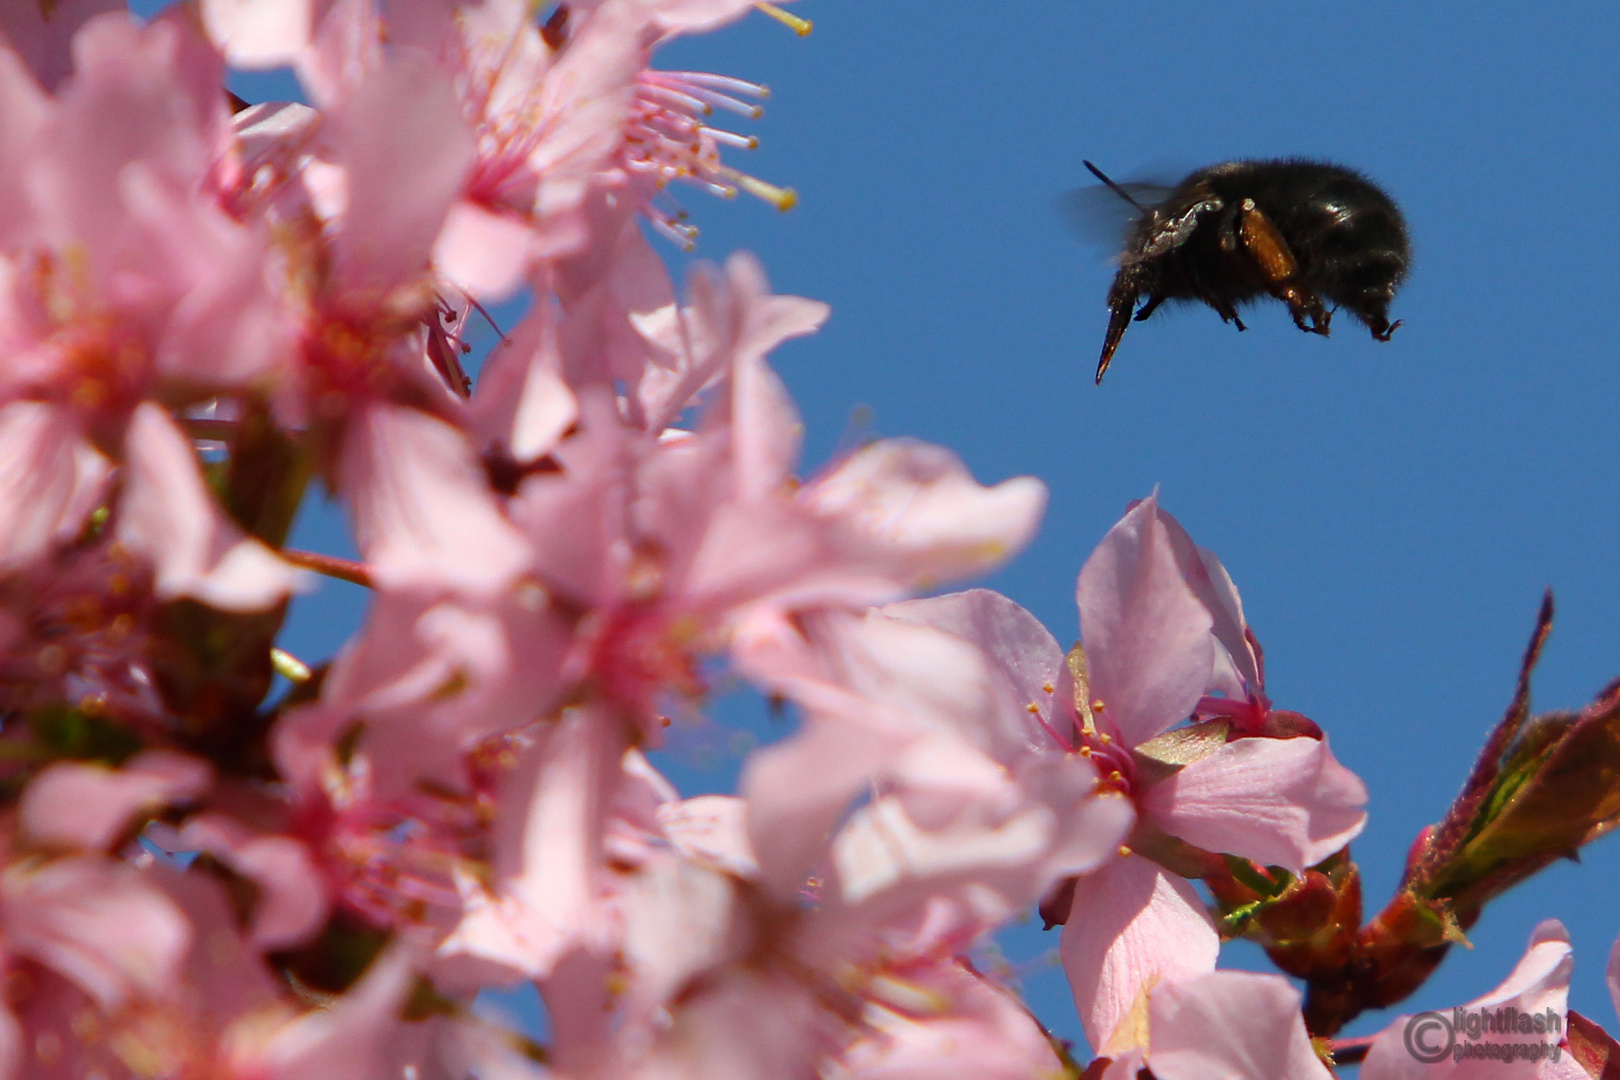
[1347,233]
[1309,233]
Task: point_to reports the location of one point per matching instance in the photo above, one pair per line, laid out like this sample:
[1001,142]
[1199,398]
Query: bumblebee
[1305,232]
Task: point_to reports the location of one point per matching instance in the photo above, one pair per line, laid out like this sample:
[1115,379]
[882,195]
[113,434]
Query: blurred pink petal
[102,924]
[484,253]
[168,515]
[1131,925]
[144,97]
[522,403]
[1146,634]
[351,1038]
[1230,1023]
[551,115]
[798,790]
[548,849]
[920,506]
[292,900]
[947,1021]
[1537,984]
[1280,802]
[424,515]
[963,810]
[51,478]
[994,864]
[429,678]
[732,320]
[1612,974]
[86,806]
[681,920]
[42,34]
[712,829]
[746,1026]
[696,16]
[24,113]
[260,33]
[404,113]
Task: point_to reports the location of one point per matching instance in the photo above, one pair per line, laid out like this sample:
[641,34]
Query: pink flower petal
[1132,924]
[712,829]
[24,112]
[483,253]
[85,806]
[746,1026]
[352,1037]
[1280,802]
[798,790]
[292,901]
[102,924]
[424,515]
[957,1024]
[731,323]
[548,859]
[167,515]
[1212,585]
[1146,634]
[50,479]
[42,35]
[405,111]
[1021,649]
[1539,983]
[522,403]
[145,97]
[918,505]
[1612,974]
[1227,1024]
[259,33]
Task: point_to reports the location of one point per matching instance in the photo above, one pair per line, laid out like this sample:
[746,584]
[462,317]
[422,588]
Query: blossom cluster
[218,862]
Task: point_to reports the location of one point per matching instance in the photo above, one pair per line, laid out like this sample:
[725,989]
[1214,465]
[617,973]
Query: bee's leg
[1382,328]
[1225,310]
[1149,308]
[1277,265]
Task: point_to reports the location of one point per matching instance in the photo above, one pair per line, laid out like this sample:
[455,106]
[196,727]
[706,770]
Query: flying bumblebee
[1305,232]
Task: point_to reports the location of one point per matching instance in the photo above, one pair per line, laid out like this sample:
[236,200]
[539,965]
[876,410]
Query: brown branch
[330,565]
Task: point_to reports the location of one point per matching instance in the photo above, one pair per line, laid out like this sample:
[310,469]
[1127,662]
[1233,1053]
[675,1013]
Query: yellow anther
[1124,849]
[289,667]
[782,198]
[792,22]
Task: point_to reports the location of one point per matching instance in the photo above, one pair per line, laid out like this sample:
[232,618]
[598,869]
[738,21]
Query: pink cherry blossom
[1216,1025]
[1537,986]
[73,805]
[1151,643]
[727,979]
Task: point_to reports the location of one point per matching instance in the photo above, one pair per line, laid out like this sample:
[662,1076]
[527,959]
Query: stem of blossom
[330,565]
[267,476]
[289,667]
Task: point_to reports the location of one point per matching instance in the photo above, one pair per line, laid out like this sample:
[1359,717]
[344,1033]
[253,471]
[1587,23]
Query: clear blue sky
[1391,512]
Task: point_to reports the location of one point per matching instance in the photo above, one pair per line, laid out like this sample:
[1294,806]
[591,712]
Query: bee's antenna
[1115,188]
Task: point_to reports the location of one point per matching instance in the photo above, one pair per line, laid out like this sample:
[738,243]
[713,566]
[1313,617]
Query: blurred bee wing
[1101,217]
